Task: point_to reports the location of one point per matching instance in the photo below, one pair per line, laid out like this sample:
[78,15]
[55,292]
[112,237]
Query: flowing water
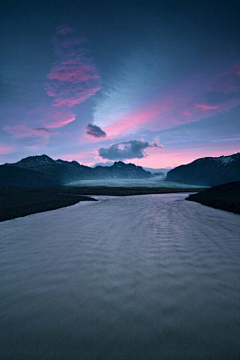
[143,277]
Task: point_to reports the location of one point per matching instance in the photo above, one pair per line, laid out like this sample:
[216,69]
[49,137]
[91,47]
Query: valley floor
[18,202]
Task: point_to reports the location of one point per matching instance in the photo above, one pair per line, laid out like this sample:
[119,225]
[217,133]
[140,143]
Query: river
[143,277]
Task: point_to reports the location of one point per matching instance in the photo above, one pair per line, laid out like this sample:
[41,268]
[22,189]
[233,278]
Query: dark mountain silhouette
[44,171]
[15,176]
[224,197]
[120,170]
[208,171]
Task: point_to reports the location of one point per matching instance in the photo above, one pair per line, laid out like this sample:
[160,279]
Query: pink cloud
[22,131]
[133,119]
[60,118]
[207,107]
[74,99]
[167,157]
[73,78]
[51,117]
[39,135]
[226,82]
[72,72]
[85,157]
[187,112]
[172,157]
[184,102]
[5,149]
[162,113]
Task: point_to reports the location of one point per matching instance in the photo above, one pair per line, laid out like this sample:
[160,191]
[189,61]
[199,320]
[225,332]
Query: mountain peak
[121,163]
[59,172]
[37,159]
[208,171]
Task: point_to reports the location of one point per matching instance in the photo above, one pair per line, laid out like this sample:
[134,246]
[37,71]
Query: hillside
[15,176]
[208,171]
[44,171]
[224,197]
[18,202]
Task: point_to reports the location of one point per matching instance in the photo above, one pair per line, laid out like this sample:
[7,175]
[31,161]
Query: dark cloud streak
[95,131]
[42,129]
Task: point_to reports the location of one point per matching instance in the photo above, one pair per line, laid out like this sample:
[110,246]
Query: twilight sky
[156,83]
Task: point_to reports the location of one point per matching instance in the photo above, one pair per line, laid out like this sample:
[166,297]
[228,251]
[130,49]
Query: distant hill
[120,170]
[208,171]
[156,172]
[44,171]
[224,197]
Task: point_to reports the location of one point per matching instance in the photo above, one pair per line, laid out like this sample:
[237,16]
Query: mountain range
[41,170]
[155,172]
[208,171]
[44,171]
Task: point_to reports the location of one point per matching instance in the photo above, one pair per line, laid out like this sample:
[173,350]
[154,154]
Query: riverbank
[224,197]
[125,191]
[18,202]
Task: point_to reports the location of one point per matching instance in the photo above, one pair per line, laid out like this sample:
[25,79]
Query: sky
[155,83]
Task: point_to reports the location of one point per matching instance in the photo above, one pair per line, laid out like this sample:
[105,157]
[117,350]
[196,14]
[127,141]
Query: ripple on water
[141,277]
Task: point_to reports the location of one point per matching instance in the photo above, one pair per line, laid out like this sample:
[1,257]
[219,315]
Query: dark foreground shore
[124,191]
[18,202]
[223,197]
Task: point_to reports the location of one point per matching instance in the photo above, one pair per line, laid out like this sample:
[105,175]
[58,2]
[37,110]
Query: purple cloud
[64,30]
[5,149]
[73,78]
[40,136]
[127,150]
